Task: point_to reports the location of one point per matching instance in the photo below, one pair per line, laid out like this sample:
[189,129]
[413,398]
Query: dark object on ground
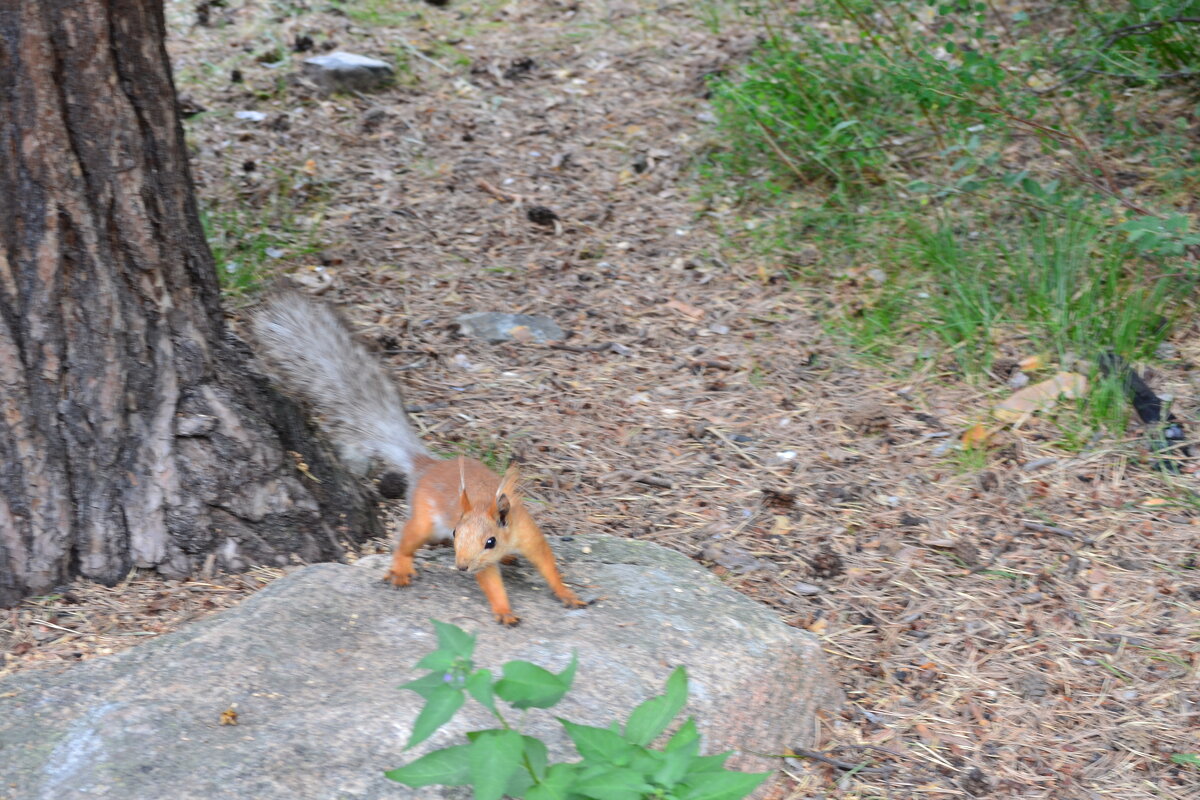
[520,68]
[392,485]
[827,563]
[302,44]
[1162,435]
[188,107]
[540,215]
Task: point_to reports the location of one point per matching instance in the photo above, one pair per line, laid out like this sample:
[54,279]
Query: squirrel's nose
[463,567]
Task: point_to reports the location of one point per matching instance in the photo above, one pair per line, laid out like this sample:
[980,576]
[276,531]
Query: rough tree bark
[134,431]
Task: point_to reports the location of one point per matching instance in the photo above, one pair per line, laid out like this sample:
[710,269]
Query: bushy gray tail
[310,351]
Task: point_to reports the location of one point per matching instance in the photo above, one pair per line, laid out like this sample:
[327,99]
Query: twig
[497,192]
[1037,527]
[801,752]
[424,57]
[638,477]
[586,348]
[1114,37]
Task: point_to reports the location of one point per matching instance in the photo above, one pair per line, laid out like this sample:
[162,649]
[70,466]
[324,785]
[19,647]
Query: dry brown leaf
[521,333]
[976,436]
[1032,363]
[1040,396]
[687,309]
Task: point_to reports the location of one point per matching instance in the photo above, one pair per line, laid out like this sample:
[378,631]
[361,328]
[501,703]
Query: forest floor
[1020,627]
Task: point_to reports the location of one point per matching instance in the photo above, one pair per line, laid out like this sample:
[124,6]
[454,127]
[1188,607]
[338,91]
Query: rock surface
[347,72]
[312,663]
[495,326]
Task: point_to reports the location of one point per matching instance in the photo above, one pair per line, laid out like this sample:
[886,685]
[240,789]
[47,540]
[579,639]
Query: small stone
[251,116]
[347,72]
[734,557]
[806,589]
[496,326]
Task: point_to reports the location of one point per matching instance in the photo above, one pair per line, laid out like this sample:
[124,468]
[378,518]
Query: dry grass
[980,655]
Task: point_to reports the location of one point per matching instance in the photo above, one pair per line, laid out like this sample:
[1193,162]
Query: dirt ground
[1027,629]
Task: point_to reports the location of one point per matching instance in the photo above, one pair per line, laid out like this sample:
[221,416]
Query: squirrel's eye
[454,533]
[490,543]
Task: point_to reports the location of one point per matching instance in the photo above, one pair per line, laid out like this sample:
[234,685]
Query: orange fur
[465,496]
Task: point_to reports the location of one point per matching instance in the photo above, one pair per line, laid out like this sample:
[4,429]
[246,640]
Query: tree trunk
[134,432]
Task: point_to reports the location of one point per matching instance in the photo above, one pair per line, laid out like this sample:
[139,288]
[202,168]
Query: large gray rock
[347,72]
[312,663]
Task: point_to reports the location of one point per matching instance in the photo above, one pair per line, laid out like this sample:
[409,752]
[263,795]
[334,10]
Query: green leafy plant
[616,763]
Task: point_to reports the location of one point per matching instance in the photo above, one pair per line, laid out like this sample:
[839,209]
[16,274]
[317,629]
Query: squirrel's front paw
[571,600]
[399,577]
[508,620]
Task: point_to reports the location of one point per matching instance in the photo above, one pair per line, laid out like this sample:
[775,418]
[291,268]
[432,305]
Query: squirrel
[311,353]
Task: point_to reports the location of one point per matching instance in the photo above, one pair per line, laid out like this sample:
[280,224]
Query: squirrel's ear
[503,506]
[465,501]
[508,484]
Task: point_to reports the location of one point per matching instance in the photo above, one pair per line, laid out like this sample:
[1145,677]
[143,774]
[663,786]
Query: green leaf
[567,676]
[616,783]
[527,685]
[535,752]
[447,767]
[555,785]
[686,739]
[440,706]
[710,763]
[674,767]
[479,684]
[652,717]
[427,685]
[454,639]
[493,757]
[721,785]
[1186,759]
[519,783]
[438,661]
[598,744]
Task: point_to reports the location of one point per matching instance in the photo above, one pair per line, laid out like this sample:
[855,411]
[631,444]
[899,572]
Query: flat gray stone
[347,72]
[496,326]
[312,663]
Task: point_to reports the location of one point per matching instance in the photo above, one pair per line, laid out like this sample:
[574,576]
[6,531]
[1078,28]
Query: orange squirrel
[312,354]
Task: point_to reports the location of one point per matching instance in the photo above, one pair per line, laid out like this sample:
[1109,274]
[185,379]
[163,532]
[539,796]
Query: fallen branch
[498,193]
[858,768]
[1037,527]
[1114,37]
